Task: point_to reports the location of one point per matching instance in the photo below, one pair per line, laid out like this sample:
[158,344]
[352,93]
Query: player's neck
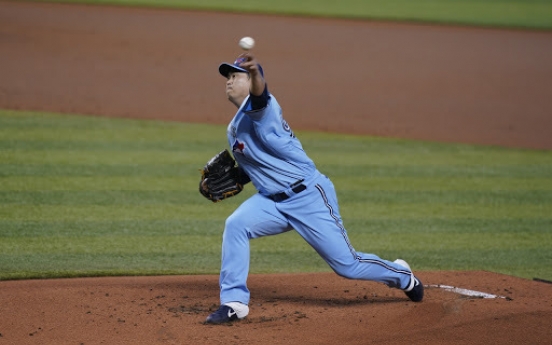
[237,101]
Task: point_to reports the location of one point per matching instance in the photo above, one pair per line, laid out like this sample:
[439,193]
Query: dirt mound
[285,309]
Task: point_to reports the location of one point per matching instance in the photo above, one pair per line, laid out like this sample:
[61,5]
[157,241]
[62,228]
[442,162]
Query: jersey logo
[287,128]
[238,147]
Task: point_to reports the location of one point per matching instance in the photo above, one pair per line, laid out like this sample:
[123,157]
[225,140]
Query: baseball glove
[221,178]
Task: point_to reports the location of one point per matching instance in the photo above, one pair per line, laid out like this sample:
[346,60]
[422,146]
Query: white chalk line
[465,292]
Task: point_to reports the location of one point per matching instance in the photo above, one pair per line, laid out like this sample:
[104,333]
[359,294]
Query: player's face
[237,87]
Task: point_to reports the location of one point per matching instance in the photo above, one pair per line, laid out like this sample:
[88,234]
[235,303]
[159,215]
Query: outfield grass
[86,196]
[535,14]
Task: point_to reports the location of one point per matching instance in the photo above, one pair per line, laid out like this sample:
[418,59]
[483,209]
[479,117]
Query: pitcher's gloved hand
[221,178]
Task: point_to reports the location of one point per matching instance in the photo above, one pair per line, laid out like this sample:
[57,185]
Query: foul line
[466,292]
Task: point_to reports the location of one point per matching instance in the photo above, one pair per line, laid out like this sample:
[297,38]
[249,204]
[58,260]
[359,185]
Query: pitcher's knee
[235,226]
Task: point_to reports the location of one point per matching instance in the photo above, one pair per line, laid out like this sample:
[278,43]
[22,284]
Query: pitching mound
[285,309]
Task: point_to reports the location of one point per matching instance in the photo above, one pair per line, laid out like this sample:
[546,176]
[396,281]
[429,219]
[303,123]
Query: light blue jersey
[266,149]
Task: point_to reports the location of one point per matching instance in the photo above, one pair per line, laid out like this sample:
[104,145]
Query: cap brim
[226,68]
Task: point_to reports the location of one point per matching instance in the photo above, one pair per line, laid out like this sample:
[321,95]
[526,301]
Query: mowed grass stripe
[113,244]
[119,212]
[89,144]
[28,126]
[106,152]
[529,262]
[209,227]
[443,211]
[355,210]
[92,157]
[449,171]
[100,228]
[80,170]
[367,170]
[96,183]
[178,197]
[453,241]
[190,182]
[125,245]
[106,264]
[399,226]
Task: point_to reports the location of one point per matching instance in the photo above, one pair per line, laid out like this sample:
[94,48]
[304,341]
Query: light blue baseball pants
[314,214]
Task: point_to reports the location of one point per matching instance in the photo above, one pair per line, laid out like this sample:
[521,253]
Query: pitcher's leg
[320,224]
[256,217]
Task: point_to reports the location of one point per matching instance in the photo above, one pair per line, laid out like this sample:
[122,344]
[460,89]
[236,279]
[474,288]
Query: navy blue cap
[225,68]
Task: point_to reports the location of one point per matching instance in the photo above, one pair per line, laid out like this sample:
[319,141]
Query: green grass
[89,196]
[535,14]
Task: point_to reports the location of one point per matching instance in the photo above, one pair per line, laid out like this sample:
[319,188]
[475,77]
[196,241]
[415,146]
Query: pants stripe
[346,238]
[337,222]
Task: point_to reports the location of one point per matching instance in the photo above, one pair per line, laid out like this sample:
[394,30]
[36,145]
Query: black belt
[296,188]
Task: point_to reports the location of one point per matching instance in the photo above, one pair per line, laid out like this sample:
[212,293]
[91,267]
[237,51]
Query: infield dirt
[450,84]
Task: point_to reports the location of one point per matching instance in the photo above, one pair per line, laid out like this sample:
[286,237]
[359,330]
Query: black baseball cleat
[223,314]
[415,290]
[416,294]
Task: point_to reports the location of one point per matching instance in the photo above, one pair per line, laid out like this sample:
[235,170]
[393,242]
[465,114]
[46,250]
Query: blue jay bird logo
[238,147]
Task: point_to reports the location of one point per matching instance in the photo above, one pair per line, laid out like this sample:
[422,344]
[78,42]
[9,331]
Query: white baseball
[247,43]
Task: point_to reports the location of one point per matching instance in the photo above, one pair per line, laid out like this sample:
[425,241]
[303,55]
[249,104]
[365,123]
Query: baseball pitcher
[292,194]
